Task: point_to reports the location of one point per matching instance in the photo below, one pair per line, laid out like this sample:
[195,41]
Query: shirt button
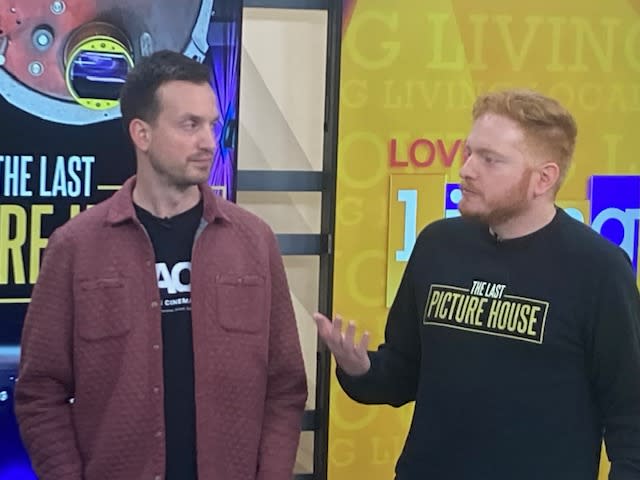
[156,390]
[156,347]
[157,477]
[154,304]
[148,262]
[158,434]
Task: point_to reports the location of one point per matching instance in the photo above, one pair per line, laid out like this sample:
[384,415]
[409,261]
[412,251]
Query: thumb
[323,323]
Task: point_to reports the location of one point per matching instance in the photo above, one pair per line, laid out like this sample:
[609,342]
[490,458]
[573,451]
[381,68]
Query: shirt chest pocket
[102,308]
[241,302]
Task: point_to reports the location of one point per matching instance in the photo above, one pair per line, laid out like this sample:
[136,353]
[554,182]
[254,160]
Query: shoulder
[242,218]
[251,233]
[584,244]
[448,229]
[85,223]
[448,237]
[251,236]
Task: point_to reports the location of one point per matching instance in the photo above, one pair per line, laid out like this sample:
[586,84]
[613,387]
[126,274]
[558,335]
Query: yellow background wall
[410,72]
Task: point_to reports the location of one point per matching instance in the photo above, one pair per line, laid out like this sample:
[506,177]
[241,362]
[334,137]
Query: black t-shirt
[519,354]
[172,240]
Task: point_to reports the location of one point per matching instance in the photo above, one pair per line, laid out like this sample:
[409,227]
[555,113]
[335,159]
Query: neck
[162,199]
[525,223]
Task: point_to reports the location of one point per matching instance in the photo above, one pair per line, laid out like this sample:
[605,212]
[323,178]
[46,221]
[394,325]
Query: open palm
[351,357]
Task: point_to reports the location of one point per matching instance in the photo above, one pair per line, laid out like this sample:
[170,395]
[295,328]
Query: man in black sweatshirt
[515,329]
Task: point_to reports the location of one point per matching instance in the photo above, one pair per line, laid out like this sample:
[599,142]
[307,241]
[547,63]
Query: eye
[466,153]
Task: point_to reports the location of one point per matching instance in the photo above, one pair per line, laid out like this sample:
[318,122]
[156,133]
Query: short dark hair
[138,97]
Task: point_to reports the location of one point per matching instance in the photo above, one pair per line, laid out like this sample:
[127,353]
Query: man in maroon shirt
[160,342]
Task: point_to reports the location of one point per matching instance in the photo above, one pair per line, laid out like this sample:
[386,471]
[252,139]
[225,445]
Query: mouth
[467,191]
[201,160]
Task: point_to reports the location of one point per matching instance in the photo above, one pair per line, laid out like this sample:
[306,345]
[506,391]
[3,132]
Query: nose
[467,170]
[207,139]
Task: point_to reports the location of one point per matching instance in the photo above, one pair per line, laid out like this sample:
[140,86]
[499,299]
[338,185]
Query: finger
[364,343]
[349,336]
[319,317]
[324,325]
[337,328]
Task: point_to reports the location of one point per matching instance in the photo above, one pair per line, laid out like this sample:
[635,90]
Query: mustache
[468,186]
[202,155]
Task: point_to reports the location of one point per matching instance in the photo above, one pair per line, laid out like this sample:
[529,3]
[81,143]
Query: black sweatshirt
[520,355]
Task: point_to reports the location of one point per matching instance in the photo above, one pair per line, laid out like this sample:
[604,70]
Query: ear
[140,133]
[548,178]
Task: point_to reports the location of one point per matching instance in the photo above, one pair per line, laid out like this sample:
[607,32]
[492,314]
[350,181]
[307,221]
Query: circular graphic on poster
[66,61]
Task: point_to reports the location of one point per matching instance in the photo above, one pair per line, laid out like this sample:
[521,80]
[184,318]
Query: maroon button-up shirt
[89,396]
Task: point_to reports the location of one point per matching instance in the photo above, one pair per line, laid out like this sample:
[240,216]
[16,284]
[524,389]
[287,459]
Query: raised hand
[351,357]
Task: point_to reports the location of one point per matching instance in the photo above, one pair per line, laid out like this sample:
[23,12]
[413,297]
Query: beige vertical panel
[282,91]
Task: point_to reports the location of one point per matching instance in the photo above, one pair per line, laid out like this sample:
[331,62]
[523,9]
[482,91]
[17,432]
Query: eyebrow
[195,118]
[483,151]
